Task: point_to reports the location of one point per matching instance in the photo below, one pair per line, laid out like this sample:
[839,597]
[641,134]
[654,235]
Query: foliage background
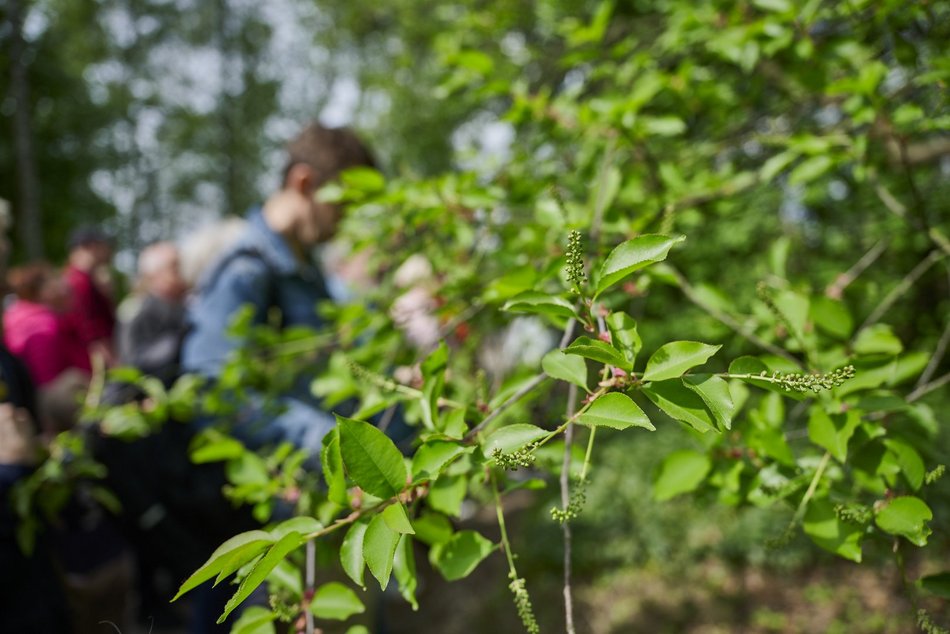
[789,141]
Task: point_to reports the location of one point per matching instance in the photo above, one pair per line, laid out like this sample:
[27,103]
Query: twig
[902,287]
[929,387]
[842,282]
[936,358]
[522,392]
[729,320]
[310,581]
[565,501]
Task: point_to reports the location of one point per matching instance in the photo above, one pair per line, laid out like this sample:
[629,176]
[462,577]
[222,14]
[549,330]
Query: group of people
[61,326]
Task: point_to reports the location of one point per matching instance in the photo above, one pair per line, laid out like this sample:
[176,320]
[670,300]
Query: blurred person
[91,315]
[151,340]
[32,598]
[201,248]
[34,331]
[270,266]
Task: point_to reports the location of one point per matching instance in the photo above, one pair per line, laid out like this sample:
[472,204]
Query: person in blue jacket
[269,267]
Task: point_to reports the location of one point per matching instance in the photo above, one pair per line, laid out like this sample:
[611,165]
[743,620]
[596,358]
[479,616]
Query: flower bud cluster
[514,460]
[853,513]
[574,506]
[523,603]
[935,474]
[575,261]
[815,381]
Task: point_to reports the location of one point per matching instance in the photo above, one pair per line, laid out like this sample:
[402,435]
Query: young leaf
[681,472]
[615,410]
[351,552]
[623,332]
[395,517]
[833,431]
[379,546]
[261,569]
[540,304]
[938,584]
[446,494]
[458,557]
[302,525]
[598,351]
[912,465]
[633,255]
[681,404]
[404,569]
[826,529]
[245,547]
[432,528]
[331,462]
[335,601]
[715,394]
[566,367]
[675,358]
[906,516]
[433,374]
[255,620]
[512,437]
[878,339]
[371,459]
[432,457]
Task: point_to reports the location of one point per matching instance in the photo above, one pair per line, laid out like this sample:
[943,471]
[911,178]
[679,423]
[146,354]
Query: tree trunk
[29,217]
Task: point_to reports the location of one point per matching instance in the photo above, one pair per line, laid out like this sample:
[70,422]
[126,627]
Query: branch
[929,387]
[522,392]
[902,287]
[565,501]
[729,320]
[936,358]
[844,280]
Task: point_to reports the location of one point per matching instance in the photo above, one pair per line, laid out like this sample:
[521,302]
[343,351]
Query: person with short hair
[90,317]
[151,340]
[270,267]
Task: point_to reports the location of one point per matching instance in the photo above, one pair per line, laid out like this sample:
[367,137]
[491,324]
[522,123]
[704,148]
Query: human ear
[301,178]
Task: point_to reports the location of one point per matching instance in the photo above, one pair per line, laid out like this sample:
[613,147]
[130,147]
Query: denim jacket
[260,270]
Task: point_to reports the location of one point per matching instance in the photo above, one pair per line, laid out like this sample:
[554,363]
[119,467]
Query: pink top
[35,334]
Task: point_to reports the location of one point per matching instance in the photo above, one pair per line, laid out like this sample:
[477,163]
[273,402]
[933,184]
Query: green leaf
[675,358]
[432,457]
[255,620]
[351,552]
[379,546]
[432,528]
[715,394]
[357,629]
[331,462]
[878,339]
[302,525]
[823,526]
[810,169]
[539,303]
[833,431]
[663,126]
[512,437]
[832,317]
[772,167]
[433,375]
[906,516]
[371,459]
[680,472]
[260,570]
[404,569]
[938,584]
[395,517]
[243,547]
[912,465]
[681,404]
[446,494]
[633,255]
[623,331]
[566,367]
[458,557]
[335,601]
[213,446]
[615,410]
[794,307]
[364,179]
[598,351]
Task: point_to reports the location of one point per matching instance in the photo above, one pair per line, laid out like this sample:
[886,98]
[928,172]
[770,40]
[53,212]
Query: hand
[17,438]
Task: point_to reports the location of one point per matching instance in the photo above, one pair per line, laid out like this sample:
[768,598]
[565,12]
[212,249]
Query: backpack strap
[219,267]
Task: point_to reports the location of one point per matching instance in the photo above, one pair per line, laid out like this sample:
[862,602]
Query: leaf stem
[812,487]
